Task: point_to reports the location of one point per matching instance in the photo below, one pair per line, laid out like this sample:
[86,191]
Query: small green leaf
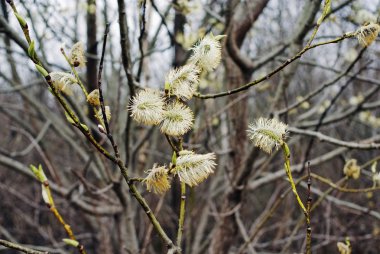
[39,173]
[21,20]
[70,242]
[174,158]
[84,126]
[68,117]
[41,70]
[42,173]
[31,51]
[34,170]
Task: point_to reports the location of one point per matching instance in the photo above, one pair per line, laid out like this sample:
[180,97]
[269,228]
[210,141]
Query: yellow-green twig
[181,219]
[286,153]
[49,201]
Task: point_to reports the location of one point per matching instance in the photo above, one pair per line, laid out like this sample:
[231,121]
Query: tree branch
[19,247]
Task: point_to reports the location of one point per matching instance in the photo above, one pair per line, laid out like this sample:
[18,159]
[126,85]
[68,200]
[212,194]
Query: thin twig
[286,153]
[349,112]
[141,39]
[18,247]
[308,211]
[163,23]
[101,98]
[181,219]
[334,141]
[125,46]
[148,232]
[127,65]
[276,70]
[326,111]
[342,189]
[50,204]
[182,207]
[318,90]
[171,143]
[314,206]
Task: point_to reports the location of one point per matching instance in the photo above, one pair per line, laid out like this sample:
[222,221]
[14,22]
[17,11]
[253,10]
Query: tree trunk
[240,18]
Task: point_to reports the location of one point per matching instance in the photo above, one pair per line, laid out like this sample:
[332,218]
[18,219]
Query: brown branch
[125,45]
[141,39]
[244,16]
[163,23]
[105,120]
[308,209]
[334,141]
[273,72]
[127,65]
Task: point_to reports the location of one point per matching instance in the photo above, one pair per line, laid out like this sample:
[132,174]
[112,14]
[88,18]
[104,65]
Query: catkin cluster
[168,110]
